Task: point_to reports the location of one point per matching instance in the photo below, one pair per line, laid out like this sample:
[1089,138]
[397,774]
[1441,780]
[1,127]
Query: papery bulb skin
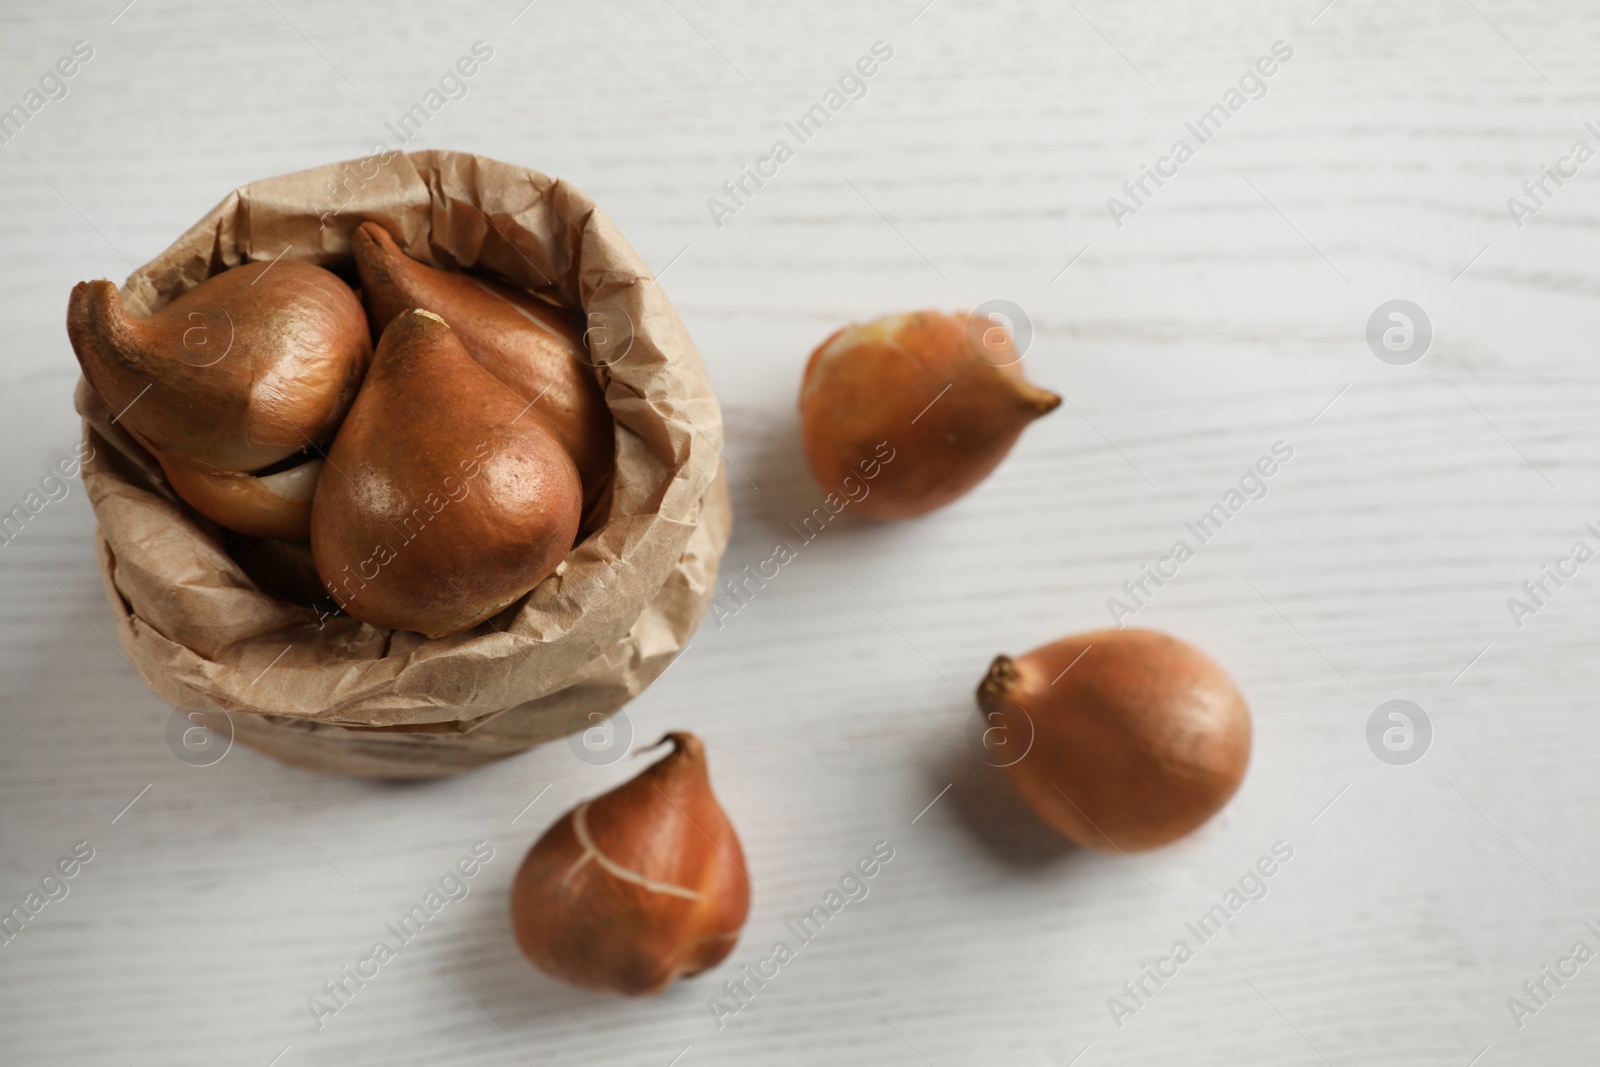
[1137,738]
[638,887]
[920,406]
[446,497]
[536,349]
[244,370]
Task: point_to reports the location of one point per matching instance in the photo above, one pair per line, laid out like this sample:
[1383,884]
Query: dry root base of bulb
[946,397]
[534,348]
[454,498]
[1133,738]
[242,371]
[636,888]
[276,505]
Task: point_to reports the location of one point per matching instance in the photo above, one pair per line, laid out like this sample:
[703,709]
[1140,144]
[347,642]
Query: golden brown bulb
[536,349]
[638,887]
[274,505]
[247,368]
[948,399]
[1133,738]
[445,497]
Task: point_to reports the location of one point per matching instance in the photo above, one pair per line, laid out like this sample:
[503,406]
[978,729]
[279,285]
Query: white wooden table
[1227,312]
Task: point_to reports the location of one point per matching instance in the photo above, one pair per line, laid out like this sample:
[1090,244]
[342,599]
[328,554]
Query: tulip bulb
[534,348]
[446,497]
[638,887]
[275,505]
[946,396]
[244,370]
[1132,738]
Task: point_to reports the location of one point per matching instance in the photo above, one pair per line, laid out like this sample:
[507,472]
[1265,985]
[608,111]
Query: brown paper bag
[334,693]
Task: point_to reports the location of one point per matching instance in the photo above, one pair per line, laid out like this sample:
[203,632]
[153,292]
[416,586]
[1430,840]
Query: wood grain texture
[1227,314]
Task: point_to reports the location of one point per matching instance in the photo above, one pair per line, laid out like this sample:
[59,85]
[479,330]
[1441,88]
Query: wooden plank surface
[1227,313]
